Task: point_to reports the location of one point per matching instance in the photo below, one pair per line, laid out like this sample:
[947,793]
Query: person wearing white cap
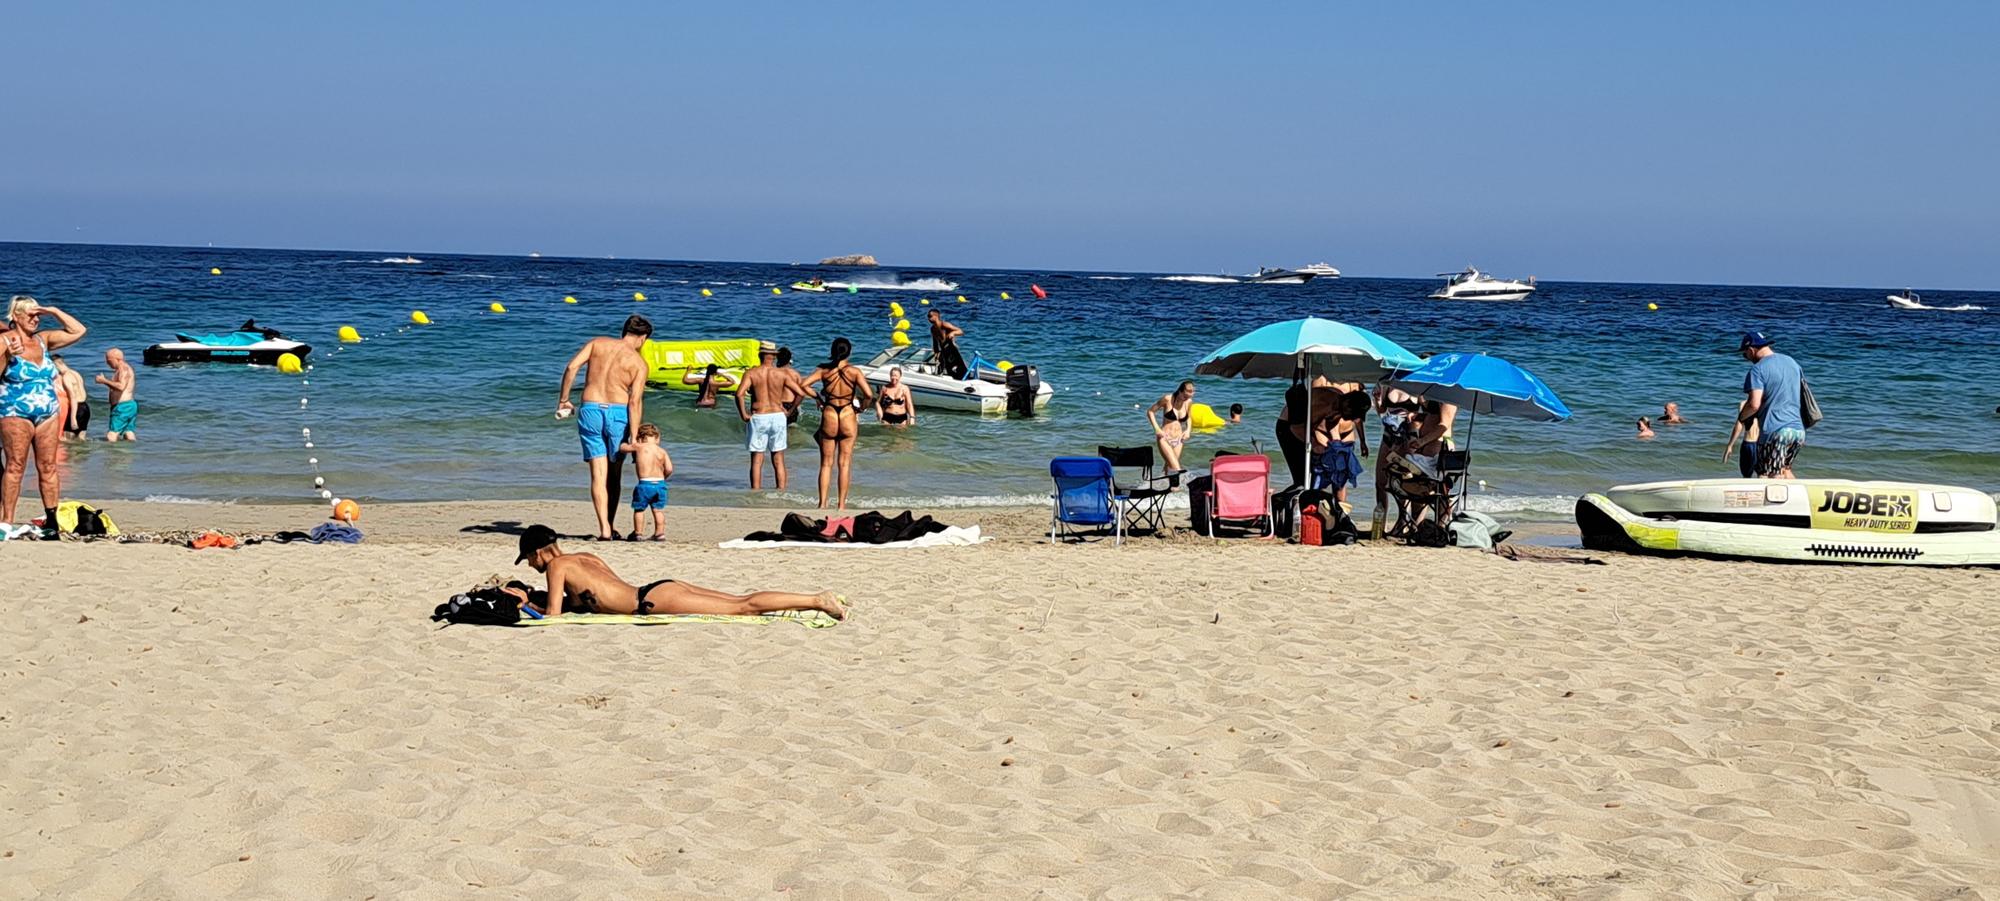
[761,400]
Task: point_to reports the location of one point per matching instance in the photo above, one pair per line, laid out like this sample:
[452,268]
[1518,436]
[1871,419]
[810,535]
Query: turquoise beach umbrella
[1341,352]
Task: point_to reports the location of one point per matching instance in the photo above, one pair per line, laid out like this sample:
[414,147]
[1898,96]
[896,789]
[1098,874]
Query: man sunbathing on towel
[583,583]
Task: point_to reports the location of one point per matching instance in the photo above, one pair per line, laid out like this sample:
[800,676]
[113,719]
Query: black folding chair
[1143,499]
[1417,492]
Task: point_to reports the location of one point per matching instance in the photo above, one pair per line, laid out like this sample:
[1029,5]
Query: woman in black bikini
[843,393]
[895,407]
[1170,427]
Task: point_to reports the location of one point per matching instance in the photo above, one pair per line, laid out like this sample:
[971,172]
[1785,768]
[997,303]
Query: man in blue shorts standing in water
[614,397]
[1772,402]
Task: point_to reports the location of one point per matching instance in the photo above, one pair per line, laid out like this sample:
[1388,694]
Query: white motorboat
[1319,270]
[1908,300]
[1473,284]
[1816,521]
[1268,276]
[986,388]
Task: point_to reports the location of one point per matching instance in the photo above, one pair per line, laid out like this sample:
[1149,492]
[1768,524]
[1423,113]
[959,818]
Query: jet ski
[250,343]
[1796,520]
[809,286]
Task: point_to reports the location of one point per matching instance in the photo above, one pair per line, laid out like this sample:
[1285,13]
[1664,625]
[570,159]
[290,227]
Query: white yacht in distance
[1320,270]
[1473,284]
[1908,300]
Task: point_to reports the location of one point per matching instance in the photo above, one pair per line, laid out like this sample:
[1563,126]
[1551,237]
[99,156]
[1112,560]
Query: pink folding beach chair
[1242,491]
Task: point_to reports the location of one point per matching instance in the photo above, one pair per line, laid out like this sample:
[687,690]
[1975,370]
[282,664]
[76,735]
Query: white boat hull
[1809,521]
[1905,303]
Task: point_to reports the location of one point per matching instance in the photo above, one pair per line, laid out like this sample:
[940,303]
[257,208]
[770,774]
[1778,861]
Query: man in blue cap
[1771,402]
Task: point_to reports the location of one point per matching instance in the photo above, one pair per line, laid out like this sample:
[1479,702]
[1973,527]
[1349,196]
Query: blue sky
[1789,143]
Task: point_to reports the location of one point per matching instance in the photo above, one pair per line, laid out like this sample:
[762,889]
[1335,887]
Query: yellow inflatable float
[1202,416]
[668,361]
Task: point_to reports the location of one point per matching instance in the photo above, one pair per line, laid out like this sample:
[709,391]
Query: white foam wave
[1199,279]
[884,283]
[177,499]
[1553,507]
[1961,308]
[406,261]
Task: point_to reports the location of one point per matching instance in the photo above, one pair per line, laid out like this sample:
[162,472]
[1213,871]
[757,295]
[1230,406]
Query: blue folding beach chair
[1083,498]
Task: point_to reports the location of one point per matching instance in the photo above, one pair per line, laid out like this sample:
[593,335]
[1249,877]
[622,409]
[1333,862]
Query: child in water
[654,467]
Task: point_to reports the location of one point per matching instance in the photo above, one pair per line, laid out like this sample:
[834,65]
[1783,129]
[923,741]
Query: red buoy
[1044,295]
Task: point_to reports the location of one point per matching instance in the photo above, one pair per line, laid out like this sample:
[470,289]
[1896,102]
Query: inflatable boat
[1807,521]
[668,361]
[250,343]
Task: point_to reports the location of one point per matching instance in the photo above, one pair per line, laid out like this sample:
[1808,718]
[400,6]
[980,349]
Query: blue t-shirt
[1779,376]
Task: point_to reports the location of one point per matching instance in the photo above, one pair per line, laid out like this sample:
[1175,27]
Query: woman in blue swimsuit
[30,415]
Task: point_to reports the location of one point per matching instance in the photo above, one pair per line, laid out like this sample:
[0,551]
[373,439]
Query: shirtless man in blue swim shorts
[614,396]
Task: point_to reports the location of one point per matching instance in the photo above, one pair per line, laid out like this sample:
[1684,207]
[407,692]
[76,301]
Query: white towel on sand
[954,535]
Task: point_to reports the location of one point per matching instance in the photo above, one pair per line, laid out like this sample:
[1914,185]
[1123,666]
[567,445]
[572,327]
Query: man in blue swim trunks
[614,396]
[1771,402]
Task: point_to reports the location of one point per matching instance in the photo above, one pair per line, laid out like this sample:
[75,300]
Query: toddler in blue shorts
[654,467]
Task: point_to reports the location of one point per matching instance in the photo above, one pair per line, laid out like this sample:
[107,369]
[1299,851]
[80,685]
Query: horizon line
[889,266]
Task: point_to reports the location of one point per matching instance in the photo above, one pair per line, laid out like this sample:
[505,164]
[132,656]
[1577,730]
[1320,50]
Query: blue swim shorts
[650,494]
[602,428]
[124,416]
[767,433]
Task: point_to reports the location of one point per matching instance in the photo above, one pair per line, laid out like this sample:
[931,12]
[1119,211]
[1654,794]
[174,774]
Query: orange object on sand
[212,539]
[347,511]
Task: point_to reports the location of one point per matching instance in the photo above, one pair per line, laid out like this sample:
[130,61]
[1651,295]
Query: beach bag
[1476,530]
[79,518]
[1808,405]
[485,607]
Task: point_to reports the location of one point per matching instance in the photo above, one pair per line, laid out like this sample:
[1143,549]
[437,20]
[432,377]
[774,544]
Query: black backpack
[485,607]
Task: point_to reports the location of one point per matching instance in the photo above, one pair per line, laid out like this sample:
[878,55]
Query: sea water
[462,408]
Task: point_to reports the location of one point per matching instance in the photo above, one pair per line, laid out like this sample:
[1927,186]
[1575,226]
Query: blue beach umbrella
[1341,352]
[1483,384]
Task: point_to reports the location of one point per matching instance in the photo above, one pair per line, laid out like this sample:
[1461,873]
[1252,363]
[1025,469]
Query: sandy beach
[1241,720]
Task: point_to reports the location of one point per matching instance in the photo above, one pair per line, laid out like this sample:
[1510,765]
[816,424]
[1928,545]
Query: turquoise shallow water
[460,409]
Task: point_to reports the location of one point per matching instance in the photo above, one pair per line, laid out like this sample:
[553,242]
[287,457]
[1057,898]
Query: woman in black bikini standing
[843,393]
[1170,427]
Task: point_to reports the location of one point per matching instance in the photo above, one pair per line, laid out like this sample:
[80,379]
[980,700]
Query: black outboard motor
[1023,384]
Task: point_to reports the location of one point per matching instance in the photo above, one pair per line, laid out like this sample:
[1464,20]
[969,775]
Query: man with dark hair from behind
[614,396]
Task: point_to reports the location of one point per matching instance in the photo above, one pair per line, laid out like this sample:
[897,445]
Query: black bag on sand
[485,607]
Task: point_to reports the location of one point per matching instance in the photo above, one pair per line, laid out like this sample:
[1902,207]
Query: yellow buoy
[638,295]
[1004,365]
[418,317]
[1652,306]
[349,336]
[896,309]
[290,364]
[568,299]
[497,307]
[902,325]
[777,290]
[707,293]
[900,339]
[926,301]
[961,298]
[214,271]
[1003,296]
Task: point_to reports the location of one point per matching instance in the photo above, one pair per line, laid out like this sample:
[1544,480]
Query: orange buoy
[1039,293]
